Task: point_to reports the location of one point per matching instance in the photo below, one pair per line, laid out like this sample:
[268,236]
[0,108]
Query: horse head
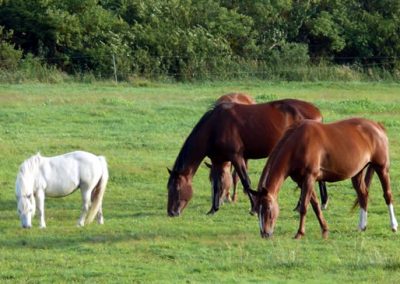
[180,192]
[25,200]
[267,209]
[24,190]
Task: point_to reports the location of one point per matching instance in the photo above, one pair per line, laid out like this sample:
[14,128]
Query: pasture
[140,130]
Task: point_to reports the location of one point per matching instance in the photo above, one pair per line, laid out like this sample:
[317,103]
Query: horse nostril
[265,235]
[173,213]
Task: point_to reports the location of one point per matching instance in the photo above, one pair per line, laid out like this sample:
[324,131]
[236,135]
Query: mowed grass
[140,130]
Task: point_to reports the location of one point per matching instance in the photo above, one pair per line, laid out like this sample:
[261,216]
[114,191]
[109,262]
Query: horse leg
[306,193]
[318,213]
[241,168]
[40,197]
[86,196]
[227,182]
[362,198]
[100,219]
[324,195]
[235,180]
[383,174]
[216,177]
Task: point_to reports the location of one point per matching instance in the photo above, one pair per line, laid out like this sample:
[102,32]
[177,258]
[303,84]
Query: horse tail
[98,191]
[368,176]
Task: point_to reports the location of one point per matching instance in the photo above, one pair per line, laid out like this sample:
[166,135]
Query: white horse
[58,177]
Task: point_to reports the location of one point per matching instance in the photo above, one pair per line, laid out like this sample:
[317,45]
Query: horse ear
[169,171]
[208,165]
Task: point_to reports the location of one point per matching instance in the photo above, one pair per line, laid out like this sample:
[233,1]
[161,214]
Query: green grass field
[140,130]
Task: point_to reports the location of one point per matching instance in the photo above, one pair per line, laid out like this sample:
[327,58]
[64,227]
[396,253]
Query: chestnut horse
[226,178]
[232,133]
[312,151]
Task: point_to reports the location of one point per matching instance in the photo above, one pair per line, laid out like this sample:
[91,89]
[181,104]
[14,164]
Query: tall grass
[32,70]
[140,130]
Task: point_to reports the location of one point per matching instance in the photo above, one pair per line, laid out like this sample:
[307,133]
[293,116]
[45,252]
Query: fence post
[115,68]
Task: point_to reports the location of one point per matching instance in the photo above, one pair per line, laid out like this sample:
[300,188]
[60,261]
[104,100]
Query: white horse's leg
[393,221]
[85,206]
[100,218]
[40,197]
[362,226]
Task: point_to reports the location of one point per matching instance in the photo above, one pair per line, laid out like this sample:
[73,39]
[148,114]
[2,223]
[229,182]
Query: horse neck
[273,176]
[192,153]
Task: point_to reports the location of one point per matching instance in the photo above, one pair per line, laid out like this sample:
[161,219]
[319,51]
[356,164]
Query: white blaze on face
[261,218]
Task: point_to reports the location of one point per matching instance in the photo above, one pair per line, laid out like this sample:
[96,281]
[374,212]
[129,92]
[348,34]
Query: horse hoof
[298,236]
[212,211]
[324,206]
[362,229]
[325,235]
[394,230]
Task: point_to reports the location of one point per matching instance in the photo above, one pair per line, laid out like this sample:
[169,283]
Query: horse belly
[344,168]
[60,188]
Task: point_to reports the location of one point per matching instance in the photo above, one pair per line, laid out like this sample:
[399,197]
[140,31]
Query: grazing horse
[238,98]
[58,177]
[312,151]
[232,133]
[226,178]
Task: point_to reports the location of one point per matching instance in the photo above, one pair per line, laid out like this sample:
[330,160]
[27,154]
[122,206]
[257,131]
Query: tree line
[196,39]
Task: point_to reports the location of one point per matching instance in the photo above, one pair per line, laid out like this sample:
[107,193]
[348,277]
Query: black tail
[323,193]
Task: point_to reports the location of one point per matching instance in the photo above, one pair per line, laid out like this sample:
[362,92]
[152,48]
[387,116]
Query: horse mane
[286,135]
[276,151]
[382,126]
[28,167]
[186,149]
[30,164]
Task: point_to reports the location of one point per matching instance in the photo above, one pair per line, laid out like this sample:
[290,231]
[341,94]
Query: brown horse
[226,178]
[238,98]
[232,133]
[312,151]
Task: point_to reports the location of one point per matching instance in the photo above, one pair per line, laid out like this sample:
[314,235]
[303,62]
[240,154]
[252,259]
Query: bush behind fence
[182,68]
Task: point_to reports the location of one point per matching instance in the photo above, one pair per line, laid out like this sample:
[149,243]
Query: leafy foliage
[188,39]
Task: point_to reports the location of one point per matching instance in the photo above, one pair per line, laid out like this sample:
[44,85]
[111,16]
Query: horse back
[336,150]
[65,173]
[255,129]
[298,109]
[239,98]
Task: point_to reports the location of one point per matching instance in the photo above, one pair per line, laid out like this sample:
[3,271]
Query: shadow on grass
[8,204]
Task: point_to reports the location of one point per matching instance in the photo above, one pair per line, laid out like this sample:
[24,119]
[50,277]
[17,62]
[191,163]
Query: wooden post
[115,68]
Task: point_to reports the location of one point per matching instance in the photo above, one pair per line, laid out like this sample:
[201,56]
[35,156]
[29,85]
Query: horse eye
[29,196]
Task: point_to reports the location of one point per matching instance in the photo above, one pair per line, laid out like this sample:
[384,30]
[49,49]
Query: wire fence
[185,67]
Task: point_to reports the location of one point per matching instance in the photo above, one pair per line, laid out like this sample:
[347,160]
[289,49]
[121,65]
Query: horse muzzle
[265,235]
[172,213]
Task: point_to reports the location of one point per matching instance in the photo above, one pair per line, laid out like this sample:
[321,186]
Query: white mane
[27,172]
